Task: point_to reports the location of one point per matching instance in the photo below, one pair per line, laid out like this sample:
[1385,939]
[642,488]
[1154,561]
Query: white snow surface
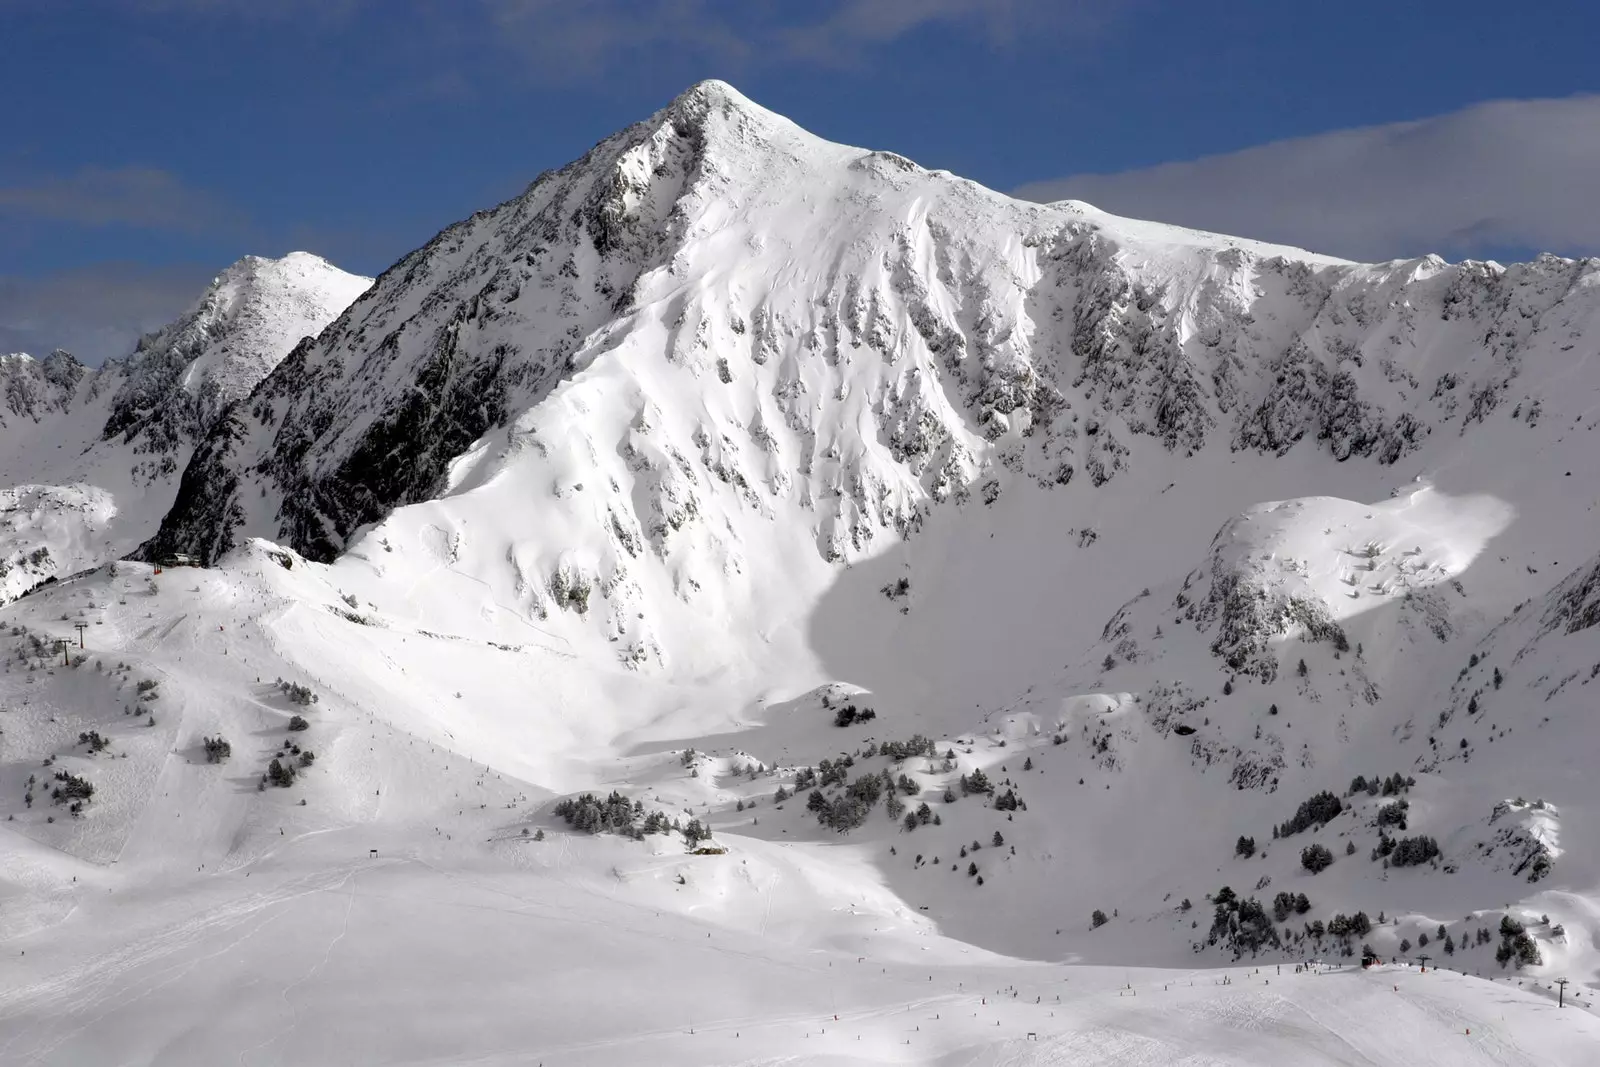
[813,373]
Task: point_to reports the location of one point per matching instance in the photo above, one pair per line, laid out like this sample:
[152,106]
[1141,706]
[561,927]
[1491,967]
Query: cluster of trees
[694,833]
[217,748]
[976,782]
[1242,925]
[1347,926]
[1517,945]
[1316,858]
[850,808]
[95,742]
[297,693]
[1411,851]
[904,750]
[1285,904]
[289,760]
[1391,786]
[832,772]
[1341,928]
[298,722]
[592,816]
[1317,811]
[72,790]
[1394,814]
[850,715]
[615,814]
[1406,852]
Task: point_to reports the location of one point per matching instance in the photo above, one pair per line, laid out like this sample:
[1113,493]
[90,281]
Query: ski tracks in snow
[87,993]
[316,969]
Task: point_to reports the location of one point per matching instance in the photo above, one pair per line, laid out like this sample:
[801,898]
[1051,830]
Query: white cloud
[94,312]
[1518,174]
[851,26]
[563,39]
[143,197]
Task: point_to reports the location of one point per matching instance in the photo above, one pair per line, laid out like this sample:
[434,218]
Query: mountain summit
[180,377]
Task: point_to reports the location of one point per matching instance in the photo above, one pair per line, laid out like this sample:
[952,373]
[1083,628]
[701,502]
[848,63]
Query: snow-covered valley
[1219,608]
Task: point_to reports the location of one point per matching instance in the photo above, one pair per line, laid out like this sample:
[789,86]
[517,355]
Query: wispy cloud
[323,11]
[592,35]
[564,39]
[567,38]
[95,312]
[1509,174]
[136,196]
[852,27]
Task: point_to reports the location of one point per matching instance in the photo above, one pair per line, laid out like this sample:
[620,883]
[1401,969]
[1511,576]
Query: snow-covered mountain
[89,458]
[1259,586]
[716,319]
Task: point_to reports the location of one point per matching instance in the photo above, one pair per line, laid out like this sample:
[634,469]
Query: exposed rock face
[34,389]
[1574,605]
[1523,838]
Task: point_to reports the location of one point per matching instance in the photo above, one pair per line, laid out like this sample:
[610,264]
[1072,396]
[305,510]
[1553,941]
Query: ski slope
[326,956]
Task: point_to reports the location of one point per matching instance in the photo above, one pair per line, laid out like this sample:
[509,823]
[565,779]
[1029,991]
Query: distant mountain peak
[89,458]
[713,93]
[253,313]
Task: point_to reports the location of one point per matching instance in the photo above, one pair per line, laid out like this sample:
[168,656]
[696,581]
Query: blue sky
[148,143]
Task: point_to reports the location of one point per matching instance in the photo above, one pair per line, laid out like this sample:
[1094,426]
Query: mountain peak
[248,319]
[718,113]
[292,270]
[713,92]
